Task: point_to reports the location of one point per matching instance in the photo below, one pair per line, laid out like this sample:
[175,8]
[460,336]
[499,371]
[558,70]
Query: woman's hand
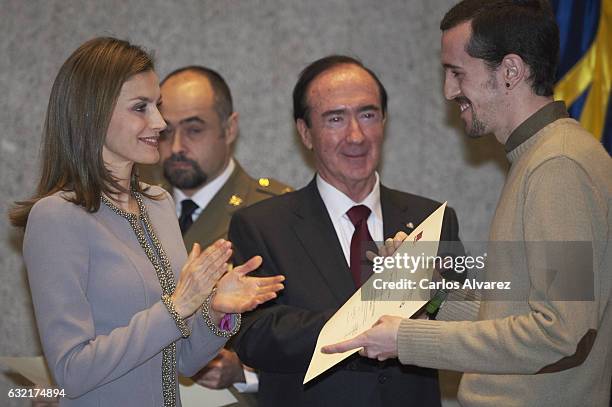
[237,292]
[199,275]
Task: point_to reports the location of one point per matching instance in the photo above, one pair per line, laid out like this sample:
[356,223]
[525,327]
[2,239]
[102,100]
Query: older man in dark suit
[313,236]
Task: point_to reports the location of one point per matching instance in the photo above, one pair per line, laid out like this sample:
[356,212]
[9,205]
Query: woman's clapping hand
[238,292]
[199,275]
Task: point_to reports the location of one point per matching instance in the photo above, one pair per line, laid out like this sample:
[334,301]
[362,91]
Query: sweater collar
[536,122]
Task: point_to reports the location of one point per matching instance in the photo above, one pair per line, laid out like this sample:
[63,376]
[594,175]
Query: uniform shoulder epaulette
[272,187]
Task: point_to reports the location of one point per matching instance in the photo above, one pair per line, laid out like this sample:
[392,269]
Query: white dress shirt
[205,194]
[337,204]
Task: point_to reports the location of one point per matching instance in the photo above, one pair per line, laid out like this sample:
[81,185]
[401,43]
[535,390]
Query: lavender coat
[97,303]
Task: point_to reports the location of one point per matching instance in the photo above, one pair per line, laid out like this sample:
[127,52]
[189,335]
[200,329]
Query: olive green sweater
[538,351]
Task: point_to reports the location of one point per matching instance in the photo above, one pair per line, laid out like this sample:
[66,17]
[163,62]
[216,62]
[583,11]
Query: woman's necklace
[157,256]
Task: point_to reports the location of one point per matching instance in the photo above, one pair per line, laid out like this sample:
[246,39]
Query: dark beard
[184,178]
[478,127]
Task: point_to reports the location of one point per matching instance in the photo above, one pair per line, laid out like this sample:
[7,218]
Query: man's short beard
[478,128]
[188,178]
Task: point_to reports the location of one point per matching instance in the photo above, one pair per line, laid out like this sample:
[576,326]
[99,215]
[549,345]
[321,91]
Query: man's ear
[304,131]
[231,128]
[513,70]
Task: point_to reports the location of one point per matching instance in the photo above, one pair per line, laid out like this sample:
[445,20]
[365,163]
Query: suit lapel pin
[235,200]
[410,225]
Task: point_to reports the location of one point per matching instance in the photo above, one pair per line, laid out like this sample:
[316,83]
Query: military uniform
[239,191]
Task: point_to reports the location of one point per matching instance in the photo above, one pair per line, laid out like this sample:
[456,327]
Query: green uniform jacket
[239,191]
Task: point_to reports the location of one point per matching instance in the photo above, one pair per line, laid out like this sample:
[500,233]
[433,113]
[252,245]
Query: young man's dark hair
[301,109]
[501,27]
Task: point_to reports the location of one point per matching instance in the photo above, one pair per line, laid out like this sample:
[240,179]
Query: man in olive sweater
[550,347]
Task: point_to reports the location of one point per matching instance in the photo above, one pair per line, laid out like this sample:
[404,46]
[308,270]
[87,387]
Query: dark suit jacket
[295,236]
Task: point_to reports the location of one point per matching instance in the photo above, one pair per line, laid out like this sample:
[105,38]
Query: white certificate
[357,315]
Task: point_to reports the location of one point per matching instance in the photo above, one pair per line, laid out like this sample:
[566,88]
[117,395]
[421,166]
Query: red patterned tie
[360,267]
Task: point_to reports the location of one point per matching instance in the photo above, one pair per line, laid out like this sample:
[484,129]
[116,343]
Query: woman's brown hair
[80,107]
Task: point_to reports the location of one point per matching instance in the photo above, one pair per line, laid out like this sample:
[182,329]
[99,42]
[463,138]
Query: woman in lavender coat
[120,307]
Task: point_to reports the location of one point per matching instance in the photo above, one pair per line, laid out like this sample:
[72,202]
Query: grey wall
[260,47]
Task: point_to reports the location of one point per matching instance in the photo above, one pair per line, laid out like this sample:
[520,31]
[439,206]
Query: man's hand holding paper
[378,342]
[349,325]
